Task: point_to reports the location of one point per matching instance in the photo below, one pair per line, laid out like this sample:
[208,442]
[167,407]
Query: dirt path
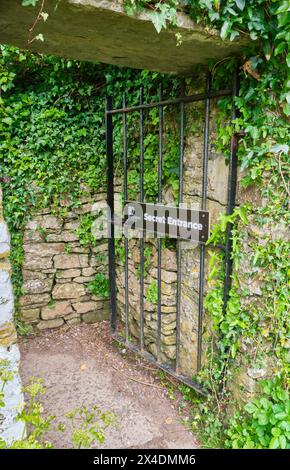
[81,366]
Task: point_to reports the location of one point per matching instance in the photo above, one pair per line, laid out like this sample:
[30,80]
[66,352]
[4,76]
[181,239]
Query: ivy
[99,286]
[265,422]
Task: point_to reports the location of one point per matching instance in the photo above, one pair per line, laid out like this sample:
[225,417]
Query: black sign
[174,222]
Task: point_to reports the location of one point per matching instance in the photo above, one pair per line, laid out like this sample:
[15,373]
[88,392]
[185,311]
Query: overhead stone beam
[99,30]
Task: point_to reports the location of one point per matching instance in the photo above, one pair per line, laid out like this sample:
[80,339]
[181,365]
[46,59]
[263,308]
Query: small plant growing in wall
[100,285]
[152,293]
[84,232]
[120,252]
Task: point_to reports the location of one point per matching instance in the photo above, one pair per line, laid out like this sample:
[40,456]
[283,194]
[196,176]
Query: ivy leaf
[243,215]
[280,48]
[263,419]
[44,16]
[283,442]
[225,29]
[158,19]
[27,3]
[280,148]
[284,18]
[240,4]
[234,34]
[250,408]
[7,120]
[39,37]
[274,443]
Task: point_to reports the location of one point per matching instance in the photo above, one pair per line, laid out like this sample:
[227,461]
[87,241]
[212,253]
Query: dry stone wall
[217,179]
[168,299]
[58,269]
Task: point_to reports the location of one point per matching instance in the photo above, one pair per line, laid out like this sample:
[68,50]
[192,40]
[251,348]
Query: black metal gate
[180,102]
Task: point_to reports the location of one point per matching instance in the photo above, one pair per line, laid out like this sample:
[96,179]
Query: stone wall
[254,360]
[168,298]
[10,428]
[216,204]
[58,269]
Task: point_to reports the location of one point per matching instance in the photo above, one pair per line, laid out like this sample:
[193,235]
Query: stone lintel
[100,30]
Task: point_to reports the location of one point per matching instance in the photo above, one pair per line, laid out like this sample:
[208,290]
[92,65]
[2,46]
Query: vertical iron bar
[142,234]
[126,234]
[231,194]
[180,197]
[159,241]
[203,207]
[110,201]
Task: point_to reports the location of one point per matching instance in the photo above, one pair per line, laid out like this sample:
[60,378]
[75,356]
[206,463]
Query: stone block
[69,261]
[55,323]
[37,300]
[56,310]
[94,317]
[33,236]
[65,236]
[72,316]
[63,280]
[68,273]
[4,240]
[34,262]
[37,286]
[84,307]
[73,225]
[88,271]
[168,260]
[30,315]
[74,321]
[6,297]
[70,290]
[48,222]
[31,275]
[77,248]
[83,279]
[44,249]
[8,334]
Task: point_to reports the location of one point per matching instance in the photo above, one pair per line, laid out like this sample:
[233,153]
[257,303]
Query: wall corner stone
[10,428]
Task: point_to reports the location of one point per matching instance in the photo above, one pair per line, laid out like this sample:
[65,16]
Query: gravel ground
[81,365]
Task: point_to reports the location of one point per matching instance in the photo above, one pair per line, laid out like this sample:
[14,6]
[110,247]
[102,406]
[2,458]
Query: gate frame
[231,199]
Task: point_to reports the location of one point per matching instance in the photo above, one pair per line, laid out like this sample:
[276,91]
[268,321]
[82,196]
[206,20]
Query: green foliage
[84,231]
[265,422]
[162,14]
[52,145]
[148,252]
[94,423]
[27,3]
[152,293]
[100,285]
[120,252]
